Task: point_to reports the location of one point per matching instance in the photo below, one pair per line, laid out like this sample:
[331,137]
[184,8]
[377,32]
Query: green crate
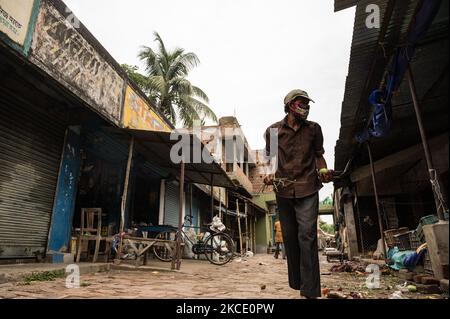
[427,220]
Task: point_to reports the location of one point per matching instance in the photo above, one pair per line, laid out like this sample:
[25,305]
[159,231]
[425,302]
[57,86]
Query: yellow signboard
[137,114]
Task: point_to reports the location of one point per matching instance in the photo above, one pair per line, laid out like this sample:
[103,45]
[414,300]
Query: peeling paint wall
[60,50]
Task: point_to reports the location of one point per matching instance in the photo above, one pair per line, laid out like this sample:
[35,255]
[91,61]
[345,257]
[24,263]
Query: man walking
[299,176]
[279,240]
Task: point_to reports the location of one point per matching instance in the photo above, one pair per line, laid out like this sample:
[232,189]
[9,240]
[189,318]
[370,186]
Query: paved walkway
[258,277]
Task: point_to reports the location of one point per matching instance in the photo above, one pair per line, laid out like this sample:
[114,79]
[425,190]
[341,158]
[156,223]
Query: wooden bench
[142,245]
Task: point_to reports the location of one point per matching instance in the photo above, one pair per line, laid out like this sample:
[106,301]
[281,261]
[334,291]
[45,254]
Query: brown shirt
[297,152]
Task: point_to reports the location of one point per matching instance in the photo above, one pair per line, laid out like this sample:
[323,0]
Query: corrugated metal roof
[370,54]
[344,4]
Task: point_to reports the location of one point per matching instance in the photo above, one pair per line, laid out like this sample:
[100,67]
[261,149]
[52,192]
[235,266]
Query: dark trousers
[279,247]
[298,217]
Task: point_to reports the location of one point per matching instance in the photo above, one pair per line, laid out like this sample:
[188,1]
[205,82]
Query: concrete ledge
[126,267]
[17,272]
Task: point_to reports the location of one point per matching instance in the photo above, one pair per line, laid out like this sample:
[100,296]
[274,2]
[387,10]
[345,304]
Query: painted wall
[17,20]
[137,114]
[61,51]
[262,235]
[63,209]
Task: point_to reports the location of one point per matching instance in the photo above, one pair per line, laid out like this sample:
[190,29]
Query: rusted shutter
[30,149]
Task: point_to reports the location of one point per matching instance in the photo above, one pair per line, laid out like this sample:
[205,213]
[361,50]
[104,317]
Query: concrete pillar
[352,238]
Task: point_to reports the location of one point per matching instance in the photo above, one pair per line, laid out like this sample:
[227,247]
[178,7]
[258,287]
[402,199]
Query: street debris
[263,287]
[348,266]
[396,295]
[356,295]
[412,288]
[336,295]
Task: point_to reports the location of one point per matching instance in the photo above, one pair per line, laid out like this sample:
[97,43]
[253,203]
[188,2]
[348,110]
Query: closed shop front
[31,142]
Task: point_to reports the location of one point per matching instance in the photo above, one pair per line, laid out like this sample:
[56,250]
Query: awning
[156,147]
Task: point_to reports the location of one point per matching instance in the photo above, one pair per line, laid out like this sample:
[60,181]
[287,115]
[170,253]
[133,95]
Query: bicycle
[218,247]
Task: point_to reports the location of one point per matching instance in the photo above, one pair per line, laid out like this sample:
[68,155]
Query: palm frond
[198,106]
[187,114]
[151,61]
[199,93]
[180,86]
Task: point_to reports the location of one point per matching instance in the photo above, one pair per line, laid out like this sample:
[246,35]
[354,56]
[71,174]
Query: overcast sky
[252,52]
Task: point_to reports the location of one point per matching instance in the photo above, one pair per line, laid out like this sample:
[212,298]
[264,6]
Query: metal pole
[176,261]
[239,225]
[190,202]
[124,196]
[380,221]
[212,196]
[440,205]
[247,233]
[220,203]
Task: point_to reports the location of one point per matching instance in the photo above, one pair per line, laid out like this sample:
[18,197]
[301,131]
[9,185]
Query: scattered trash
[325,274]
[403,287]
[155,272]
[336,295]
[249,254]
[412,288]
[349,266]
[396,295]
[325,291]
[263,287]
[356,295]
[237,260]
[262,264]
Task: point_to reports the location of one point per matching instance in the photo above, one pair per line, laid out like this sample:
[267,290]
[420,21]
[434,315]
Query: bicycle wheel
[164,253]
[219,248]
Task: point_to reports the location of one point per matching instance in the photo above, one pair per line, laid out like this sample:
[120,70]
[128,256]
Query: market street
[261,276]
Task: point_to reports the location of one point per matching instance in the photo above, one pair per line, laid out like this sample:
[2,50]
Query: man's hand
[268,180]
[326,175]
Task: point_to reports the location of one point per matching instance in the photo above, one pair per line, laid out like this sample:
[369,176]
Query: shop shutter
[172,206]
[30,149]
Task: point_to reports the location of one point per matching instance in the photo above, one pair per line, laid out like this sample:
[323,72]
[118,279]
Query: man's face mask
[300,109]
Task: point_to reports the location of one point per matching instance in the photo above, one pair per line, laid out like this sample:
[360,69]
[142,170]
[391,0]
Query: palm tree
[166,84]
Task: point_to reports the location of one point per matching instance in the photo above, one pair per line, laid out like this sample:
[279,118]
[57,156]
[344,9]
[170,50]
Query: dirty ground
[260,276]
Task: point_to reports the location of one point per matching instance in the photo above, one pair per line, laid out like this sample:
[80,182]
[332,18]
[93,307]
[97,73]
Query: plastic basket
[427,220]
[389,235]
[413,240]
[406,241]
[427,263]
